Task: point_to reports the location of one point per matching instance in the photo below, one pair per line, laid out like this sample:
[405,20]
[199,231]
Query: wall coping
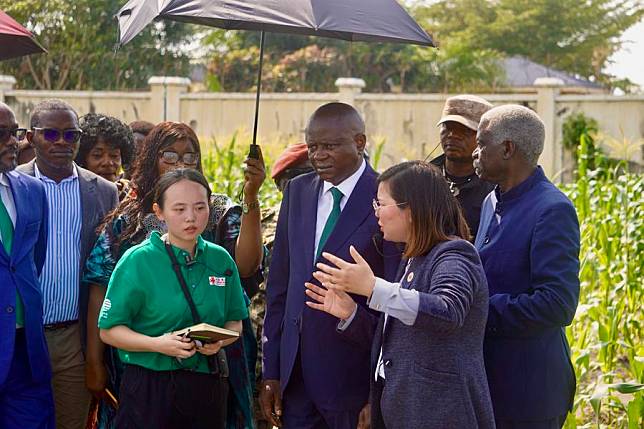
[600,97]
[169,80]
[7,79]
[304,96]
[76,94]
[350,83]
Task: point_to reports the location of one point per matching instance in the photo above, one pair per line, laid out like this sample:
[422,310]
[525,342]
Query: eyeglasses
[18,133]
[376,204]
[188,158]
[52,135]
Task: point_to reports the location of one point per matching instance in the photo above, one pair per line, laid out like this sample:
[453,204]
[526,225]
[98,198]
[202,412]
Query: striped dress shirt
[60,275]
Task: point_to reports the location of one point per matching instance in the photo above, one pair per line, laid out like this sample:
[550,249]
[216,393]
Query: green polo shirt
[145,295]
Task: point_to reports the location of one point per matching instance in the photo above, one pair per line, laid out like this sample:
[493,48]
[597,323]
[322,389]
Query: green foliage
[606,334]
[576,127]
[223,167]
[81,35]
[474,35]
[574,36]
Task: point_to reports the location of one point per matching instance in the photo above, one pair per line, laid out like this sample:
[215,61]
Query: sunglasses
[170,157]
[7,133]
[52,135]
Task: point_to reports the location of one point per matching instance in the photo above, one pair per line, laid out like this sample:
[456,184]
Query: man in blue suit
[26,399]
[528,241]
[321,377]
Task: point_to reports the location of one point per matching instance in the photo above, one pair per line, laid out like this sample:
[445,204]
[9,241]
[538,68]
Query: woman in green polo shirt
[170,381]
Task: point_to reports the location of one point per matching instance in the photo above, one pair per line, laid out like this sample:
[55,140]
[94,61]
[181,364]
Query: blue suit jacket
[20,271]
[335,369]
[531,262]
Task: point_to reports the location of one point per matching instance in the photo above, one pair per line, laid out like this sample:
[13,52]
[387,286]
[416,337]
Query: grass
[606,334]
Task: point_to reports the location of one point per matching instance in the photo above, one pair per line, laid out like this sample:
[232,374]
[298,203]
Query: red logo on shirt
[216,281]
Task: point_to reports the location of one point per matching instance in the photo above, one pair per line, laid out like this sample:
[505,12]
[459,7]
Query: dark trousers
[23,402]
[556,423]
[377,421]
[171,399]
[301,413]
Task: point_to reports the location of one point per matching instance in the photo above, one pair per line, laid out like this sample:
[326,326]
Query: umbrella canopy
[354,20]
[16,40]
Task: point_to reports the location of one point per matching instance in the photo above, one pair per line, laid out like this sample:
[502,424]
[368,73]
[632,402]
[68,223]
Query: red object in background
[292,155]
[16,40]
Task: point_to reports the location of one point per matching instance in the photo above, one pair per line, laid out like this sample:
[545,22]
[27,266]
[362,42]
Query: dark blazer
[19,272]
[98,198]
[434,370]
[531,261]
[335,370]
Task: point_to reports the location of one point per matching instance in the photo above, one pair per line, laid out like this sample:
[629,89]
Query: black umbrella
[354,20]
[15,40]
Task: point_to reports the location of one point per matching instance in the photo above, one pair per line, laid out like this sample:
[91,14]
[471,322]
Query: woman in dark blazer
[427,355]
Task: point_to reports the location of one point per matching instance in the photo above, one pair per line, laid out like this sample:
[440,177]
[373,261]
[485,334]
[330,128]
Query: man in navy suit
[320,376]
[528,241]
[26,399]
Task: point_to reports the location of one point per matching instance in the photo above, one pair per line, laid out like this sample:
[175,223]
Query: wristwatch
[246,207]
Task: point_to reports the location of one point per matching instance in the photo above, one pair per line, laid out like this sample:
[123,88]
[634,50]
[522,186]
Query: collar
[4,181]
[523,187]
[348,184]
[158,241]
[439,161]
[40,176]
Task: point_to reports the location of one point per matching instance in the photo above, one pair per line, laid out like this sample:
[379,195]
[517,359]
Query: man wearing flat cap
[458,125]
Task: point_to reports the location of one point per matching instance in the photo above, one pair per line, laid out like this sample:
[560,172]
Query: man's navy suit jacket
[531,262]
[335,369]
[19,271]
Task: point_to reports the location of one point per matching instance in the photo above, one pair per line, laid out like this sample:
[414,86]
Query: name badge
[217,281]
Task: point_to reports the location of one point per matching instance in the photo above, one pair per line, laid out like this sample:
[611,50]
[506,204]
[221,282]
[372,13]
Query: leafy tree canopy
[571,35]
[575,36]
[81,35]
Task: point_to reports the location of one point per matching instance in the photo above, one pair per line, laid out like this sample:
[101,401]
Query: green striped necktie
[331,220]
[6,231]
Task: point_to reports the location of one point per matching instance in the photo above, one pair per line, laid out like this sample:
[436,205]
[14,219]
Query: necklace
[454,187]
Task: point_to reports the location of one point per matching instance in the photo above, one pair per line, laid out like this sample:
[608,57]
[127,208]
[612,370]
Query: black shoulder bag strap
[216,363]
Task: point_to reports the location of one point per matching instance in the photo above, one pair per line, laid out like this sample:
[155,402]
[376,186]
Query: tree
[575,36]
[301,64]
[81,35]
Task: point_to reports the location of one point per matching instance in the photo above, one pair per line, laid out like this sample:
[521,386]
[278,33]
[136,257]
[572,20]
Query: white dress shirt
[7,199]
[325,201]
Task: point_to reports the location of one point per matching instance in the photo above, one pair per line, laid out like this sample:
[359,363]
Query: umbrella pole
[259,85]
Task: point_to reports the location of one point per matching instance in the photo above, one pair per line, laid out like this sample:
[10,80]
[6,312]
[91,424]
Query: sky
[629,61]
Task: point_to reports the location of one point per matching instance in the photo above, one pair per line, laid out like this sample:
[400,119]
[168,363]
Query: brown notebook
[207,333]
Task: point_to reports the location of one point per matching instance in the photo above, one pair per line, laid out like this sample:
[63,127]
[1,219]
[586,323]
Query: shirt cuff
[343,324]
[397,302]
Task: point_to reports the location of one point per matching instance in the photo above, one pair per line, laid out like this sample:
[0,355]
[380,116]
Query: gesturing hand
[355,278]
[175,346]
[335,302]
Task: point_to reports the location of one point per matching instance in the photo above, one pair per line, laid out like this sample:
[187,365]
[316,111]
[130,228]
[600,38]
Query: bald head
[335,140]
[5,108]
[341,113]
